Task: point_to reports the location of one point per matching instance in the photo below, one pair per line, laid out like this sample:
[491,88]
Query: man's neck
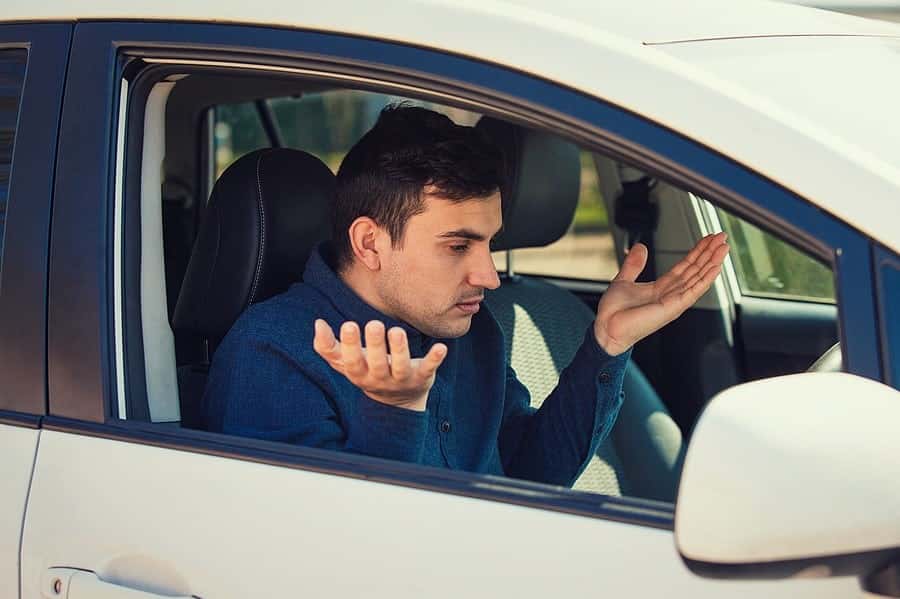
[362,284]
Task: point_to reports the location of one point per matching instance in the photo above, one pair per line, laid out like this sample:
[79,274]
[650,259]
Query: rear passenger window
[237,131]
[12,77]
[325,124]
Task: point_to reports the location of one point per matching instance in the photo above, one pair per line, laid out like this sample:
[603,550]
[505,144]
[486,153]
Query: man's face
[435,278]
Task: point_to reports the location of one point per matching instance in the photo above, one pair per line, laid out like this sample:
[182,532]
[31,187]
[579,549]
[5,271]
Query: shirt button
[604,377]
[445,426]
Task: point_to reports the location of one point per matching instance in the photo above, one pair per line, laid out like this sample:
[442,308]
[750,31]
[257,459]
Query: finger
[432,360]
[351,351]
[399,346]
[689,284]
[689,273]
[689,276]
[633,264]
[703,283]
[707,255]
[324,342]
[376,353]
[692,256]
[689,296]
[717,259]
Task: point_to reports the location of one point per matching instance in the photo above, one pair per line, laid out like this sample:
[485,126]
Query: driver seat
[265,215]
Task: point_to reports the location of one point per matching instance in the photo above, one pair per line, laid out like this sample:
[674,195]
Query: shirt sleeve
[258,389]
[554,444]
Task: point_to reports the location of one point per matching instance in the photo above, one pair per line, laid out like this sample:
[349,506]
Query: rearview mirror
[795,476]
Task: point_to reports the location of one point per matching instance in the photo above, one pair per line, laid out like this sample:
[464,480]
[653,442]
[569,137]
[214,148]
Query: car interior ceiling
[528,307]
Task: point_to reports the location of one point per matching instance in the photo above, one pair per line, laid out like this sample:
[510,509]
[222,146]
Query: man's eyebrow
[462,234]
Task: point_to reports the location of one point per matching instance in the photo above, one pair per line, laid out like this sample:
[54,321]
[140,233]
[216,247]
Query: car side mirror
[795,476]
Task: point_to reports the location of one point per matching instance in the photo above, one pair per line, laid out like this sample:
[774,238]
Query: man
[417,370]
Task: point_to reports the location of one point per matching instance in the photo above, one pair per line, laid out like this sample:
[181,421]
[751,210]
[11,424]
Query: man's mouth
[470,306]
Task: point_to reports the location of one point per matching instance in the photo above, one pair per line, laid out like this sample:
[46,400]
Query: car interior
[234,193]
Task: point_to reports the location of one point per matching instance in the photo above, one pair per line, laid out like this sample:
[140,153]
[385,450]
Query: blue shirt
[267,382]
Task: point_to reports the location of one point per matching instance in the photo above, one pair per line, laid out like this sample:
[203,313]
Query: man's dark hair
[383,176]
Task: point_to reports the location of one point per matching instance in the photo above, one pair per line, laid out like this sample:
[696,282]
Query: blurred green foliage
[590,213]
[770,267]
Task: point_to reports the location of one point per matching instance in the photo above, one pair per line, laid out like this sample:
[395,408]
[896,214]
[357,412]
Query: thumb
[634,263]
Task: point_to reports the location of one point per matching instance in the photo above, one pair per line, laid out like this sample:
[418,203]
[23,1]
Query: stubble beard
[422,317]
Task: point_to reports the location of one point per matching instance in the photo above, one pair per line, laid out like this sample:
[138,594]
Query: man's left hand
[630,311]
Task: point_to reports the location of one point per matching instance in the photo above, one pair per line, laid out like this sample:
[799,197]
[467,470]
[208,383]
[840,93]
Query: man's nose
[484,274]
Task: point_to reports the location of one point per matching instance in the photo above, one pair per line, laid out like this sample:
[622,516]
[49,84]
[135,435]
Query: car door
[120,503]
[32,68]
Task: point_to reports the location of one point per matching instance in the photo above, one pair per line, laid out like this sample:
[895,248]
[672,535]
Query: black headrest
[541,182]
[265,214]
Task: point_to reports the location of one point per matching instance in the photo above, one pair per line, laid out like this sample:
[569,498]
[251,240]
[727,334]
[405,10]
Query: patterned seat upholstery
[544,324]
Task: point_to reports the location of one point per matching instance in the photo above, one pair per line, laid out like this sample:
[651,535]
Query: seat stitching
[262,238]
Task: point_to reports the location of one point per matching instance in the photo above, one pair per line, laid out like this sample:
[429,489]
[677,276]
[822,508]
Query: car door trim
[23,293]
[629,510]
[19,419]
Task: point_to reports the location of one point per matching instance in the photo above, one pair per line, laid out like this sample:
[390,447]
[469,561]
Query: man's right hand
[390,378]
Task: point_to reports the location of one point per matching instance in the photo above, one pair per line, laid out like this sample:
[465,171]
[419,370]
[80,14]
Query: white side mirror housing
[794,476]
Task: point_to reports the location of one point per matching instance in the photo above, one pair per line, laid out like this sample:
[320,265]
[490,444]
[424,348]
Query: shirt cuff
[385,431]
[606,374]
[592,353]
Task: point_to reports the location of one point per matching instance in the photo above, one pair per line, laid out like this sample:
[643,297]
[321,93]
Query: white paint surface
[173,522]
[17,447]
[605,49]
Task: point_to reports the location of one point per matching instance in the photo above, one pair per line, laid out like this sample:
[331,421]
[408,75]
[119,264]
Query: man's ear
[364,237]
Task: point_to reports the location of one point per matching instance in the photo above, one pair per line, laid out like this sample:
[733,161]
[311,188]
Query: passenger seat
[544,324]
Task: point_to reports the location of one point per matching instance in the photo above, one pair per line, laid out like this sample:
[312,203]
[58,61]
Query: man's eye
[460,249]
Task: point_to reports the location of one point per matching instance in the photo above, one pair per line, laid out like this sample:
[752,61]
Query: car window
[586,251]
[237,131]
[12,77]
[543,323]
[766,266]
[325,124]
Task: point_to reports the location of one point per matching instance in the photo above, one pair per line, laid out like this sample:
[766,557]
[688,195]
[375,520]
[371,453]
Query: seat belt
[637,215]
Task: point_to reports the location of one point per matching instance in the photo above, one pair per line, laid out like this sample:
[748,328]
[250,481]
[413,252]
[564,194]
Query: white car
[123,263]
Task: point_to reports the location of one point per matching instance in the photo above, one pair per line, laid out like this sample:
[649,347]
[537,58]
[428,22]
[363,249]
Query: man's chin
[450,329]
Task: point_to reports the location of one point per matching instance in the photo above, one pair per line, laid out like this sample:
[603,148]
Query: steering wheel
[830,361]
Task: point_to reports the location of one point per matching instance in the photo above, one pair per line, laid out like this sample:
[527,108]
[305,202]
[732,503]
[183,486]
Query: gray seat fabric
[542,329]
[544,324]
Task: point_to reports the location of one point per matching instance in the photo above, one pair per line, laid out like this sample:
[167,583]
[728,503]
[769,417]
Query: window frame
[25,260]
[104,48]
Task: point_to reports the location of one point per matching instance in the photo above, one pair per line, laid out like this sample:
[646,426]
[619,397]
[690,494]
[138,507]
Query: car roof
[822,123]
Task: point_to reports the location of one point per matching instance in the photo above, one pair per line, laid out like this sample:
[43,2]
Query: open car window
[541,306]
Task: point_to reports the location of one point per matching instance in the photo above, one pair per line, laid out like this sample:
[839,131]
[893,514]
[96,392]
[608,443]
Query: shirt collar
[320,275]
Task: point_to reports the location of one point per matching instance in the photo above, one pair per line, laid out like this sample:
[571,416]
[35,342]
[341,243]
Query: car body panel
[224,535]
[626,71]
[220,522]
[17,446]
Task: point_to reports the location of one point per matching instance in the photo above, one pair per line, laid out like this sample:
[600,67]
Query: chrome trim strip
[118,213]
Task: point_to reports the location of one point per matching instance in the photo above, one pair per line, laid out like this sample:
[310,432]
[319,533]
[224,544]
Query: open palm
[630,311]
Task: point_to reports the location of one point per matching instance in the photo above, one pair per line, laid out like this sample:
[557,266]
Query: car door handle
[69,583]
